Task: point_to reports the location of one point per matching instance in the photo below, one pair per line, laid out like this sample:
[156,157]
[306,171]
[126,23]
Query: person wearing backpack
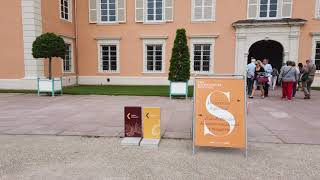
[308,78]
[288,76]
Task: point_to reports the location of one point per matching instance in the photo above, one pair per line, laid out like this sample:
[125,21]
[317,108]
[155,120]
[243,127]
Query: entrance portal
[267,49]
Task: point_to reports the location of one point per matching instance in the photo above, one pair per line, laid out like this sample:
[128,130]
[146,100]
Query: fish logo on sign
[219,113]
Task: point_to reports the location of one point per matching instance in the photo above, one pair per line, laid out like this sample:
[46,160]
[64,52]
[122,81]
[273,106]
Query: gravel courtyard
[81,158]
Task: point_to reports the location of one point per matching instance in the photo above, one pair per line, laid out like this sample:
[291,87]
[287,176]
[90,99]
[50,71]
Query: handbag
[305,77]
[263,80]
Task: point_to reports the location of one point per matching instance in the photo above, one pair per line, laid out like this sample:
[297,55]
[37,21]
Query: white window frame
[268,10]
[70,42]
[315,39]
[108,43]
[146,21]
[194,41]
[204,20]
[154,42]
[99,13]
[279,10]
[317,10]
[69,11]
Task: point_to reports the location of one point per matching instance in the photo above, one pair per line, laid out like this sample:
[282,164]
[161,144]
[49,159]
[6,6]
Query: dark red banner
[132,122]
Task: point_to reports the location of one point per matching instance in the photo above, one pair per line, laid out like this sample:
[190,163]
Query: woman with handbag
[288,76]
[260,79]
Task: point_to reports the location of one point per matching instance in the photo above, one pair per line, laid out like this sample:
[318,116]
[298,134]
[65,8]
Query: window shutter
[286,8]
[317,10]
[252,9]
[208,9]
[93,15]
[139,10]
[168,10]
[70,10]
[122,11]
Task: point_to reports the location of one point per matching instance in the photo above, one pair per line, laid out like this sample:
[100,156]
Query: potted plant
[48,46]
[179,72]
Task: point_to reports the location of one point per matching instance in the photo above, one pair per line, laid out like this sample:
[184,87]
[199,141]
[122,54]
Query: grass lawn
[121,90]
[316,88]
[111,90]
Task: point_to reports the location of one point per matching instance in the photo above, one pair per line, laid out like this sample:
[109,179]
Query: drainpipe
[76,41]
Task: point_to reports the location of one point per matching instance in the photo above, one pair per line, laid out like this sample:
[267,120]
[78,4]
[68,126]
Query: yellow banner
[151,122]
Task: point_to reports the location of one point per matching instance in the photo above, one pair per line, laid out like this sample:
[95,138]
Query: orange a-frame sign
[220,112]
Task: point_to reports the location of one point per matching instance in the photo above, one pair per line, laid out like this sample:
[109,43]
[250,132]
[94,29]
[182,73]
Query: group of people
[261,76]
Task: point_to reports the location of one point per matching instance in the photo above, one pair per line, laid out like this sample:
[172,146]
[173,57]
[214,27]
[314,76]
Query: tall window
[203,10]
[65,9]
[108,10]
[268,8]
[108,57]
[67,62]
[154,57]
[317,55]
[154,10]
[201,57]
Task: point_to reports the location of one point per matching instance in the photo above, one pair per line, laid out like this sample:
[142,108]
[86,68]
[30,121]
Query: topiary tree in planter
[48,46]
[179,72]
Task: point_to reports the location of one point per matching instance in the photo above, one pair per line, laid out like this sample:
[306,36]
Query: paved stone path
[270,120]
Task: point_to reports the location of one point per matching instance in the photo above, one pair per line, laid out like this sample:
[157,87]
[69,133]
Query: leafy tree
[180,58]
[47,46]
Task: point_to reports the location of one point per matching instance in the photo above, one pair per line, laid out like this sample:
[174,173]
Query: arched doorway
[267,49]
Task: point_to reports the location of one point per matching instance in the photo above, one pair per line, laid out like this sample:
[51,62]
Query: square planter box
[52,86]
[178,89]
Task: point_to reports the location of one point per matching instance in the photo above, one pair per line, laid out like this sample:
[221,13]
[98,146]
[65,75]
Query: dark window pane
[206,58]
[197,58]
[273,7]
[197,53]
[159,17]
[112,12]
[207,47]
[149,58]
[150,68]
[197,47]
[263,14]
[158,47]
[158,53]
[104,18]
[104,6]
[206,53]
[150,11]
[273,14]
[158,68]
[150,48]
[150,17]
[263,8]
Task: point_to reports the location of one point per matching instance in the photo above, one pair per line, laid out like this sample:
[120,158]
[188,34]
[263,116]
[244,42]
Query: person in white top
[268,68]
[250,75]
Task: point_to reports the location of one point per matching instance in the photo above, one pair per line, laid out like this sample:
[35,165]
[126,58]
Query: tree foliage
[180,58]
[47,46]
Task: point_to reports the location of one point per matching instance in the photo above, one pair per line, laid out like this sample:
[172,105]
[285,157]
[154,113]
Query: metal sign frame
[227,76]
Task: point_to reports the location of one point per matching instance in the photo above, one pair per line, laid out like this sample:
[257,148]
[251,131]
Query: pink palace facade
[129,42]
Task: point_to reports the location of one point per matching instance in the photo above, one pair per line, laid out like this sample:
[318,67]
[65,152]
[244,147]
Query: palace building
[129,42]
